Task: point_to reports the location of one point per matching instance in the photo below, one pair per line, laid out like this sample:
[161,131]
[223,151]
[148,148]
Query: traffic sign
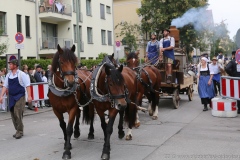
[19,46]
[237,56]
[19,38]
[118,43]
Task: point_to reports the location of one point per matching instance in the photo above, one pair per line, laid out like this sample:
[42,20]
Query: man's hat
[214,58]
[166,30]
[233,52]
[38,66]
[14,61]
[154,33]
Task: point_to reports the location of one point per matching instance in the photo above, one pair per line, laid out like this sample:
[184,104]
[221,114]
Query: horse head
[132,59]
[116,87]
[65,61]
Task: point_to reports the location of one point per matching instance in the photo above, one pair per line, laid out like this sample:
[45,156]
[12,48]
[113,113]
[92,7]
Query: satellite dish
[238,38]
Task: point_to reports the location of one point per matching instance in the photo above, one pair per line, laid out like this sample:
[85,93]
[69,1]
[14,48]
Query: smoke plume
[200,18]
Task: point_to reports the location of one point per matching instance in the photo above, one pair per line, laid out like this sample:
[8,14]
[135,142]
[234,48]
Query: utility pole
[77,28]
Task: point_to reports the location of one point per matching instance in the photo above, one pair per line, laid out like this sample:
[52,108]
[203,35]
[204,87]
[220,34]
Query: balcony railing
[56,7]
[52,42]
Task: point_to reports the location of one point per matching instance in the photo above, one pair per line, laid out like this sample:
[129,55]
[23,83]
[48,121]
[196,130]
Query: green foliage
[4,45]
[130,32]
[102,55]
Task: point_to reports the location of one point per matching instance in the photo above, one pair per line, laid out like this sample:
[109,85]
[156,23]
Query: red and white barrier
[224,107]
[230,87]
[39,91]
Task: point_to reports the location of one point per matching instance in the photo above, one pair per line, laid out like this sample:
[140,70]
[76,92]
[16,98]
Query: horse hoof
[129,137]
[137,124]
[121,135]
[105,156]
[76,134]
[91,136]
[154,117]
[66,155]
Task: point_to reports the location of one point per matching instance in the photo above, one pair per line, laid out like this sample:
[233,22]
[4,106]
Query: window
[108,9]
[3,26]
[75,33]
[19,23]
[103,35]
[27,24]
[89,35]
[88,7]
[109,37]
[90,57]
[102,11]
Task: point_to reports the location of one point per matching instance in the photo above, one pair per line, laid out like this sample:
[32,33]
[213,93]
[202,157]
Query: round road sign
[237,56]
[19,37]
[118,43]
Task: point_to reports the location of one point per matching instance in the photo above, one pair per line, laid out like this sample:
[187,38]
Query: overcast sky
[227,10]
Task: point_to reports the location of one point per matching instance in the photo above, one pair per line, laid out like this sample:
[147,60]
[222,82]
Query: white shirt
[172,43]
[23,78]
[215,68]
[44,78]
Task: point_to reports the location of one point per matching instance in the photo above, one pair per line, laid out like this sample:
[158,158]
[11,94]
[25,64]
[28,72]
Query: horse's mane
[115,76]
[67,55]
[132,55]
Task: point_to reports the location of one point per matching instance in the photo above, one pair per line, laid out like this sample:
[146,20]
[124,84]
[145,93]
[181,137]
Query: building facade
[47,23]
[125,11]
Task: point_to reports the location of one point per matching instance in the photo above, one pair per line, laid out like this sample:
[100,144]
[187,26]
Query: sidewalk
[27,112]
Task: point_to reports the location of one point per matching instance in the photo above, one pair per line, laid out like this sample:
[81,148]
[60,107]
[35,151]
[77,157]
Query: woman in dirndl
[205,85]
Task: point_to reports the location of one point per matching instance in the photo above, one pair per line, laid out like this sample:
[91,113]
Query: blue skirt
[205,90]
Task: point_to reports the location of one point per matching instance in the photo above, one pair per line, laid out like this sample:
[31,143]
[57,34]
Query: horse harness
[106,97]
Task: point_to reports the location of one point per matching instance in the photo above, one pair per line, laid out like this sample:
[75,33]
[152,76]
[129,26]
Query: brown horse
[150,78]
[63,92]
[109,92]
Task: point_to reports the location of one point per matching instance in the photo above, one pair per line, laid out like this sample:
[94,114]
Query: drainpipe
[113,32]
[37,38]
[77,28]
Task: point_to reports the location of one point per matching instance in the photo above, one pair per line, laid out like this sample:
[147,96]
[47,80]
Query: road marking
[34,121]
[2,125]
[42,135]
[3,139]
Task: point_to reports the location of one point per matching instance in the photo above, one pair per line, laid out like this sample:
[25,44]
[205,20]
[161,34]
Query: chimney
[174,32]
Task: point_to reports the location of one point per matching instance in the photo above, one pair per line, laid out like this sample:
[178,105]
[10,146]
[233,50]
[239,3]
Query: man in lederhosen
[152,49]
[16,81]
[167,45]
[233,69]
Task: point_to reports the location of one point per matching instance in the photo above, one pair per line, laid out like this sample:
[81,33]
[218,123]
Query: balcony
[49,44]
[56,12]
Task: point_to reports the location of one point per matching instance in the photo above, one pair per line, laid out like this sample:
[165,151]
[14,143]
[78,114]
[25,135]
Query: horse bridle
[114,97]
[67,72]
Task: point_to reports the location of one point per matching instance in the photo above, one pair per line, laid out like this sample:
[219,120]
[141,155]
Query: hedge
[45,62]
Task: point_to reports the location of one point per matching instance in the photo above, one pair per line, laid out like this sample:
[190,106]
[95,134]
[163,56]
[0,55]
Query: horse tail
[88,114]
[130,114]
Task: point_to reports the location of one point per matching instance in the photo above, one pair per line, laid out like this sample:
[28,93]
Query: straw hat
[214,58]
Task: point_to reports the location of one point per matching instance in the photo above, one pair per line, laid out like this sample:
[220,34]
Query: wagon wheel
[190,92]
[176,98]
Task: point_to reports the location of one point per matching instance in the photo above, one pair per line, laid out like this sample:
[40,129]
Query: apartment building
[46,23]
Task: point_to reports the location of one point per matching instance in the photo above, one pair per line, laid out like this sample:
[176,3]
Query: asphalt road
[184,133]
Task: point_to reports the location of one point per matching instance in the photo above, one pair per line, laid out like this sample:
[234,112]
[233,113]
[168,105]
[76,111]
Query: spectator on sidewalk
[233,70]
[38,74]
[49,68]
[2,79]
[16,81]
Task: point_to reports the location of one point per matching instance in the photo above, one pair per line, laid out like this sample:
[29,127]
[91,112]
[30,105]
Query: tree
[4,45]
[130,32]
[158,14]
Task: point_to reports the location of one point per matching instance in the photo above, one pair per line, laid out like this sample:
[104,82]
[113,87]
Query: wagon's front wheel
[190,92]
[176,98]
